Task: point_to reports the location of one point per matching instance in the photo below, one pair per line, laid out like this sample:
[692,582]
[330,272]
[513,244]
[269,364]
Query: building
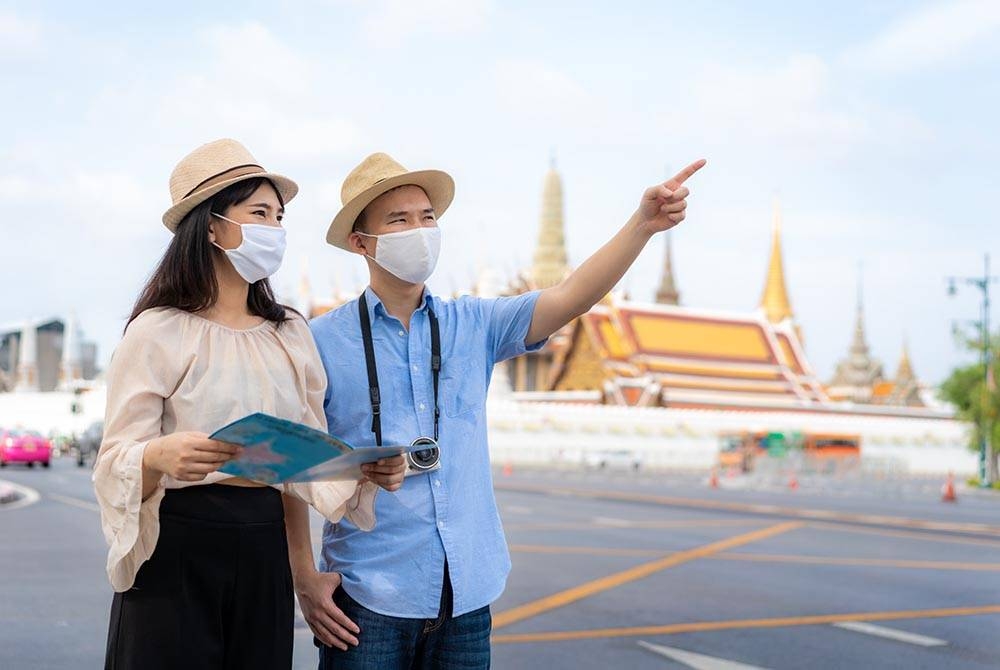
[664,354]
[45,355]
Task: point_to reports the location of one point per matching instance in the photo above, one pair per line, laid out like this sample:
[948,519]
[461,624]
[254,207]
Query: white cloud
[13,187]
[18,36]
[798,108]
[252,87]
[535,90]
[113,205]
[930,36]
[314,138]
[395,21]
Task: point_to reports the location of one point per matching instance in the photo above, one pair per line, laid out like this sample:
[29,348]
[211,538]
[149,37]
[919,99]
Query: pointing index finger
[686,173]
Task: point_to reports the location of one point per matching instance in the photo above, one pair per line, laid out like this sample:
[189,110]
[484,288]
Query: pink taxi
[24,446]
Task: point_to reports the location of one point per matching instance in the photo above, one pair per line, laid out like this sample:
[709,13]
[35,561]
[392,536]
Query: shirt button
[437,482]
[413,367]
[401,333]
[423,406]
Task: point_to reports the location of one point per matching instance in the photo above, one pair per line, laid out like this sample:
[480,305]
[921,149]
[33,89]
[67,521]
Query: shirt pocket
[462,389]
[350,404]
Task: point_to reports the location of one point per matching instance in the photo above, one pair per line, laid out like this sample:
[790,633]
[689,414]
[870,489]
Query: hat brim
[173,216]
[438,185]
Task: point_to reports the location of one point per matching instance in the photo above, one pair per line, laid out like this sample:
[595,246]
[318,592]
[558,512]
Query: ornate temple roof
[858,374]
[698,358]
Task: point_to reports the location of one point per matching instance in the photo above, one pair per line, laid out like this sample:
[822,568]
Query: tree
[978,402]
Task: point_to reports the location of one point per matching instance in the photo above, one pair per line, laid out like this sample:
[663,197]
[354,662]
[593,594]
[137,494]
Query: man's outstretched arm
[661,208]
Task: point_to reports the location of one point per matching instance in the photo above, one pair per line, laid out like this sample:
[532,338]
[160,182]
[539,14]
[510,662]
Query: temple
[663,354]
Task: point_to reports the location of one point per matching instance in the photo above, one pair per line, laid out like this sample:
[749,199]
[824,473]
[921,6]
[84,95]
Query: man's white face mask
[259,254]
[410,255]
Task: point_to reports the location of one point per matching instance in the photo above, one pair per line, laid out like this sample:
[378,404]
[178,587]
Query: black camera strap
[373,391]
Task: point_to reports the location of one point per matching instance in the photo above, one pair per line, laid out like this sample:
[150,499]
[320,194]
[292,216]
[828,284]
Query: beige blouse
[174,371]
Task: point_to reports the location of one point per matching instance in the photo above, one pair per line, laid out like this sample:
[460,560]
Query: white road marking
[696,661]
[891,633]
[611,521]
[29,496]
[75,502]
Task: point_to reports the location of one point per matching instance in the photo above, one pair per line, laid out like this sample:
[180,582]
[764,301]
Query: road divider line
[593,587]
[655,525]
[26,496]
[765,558]
[738,624]
[752,508]
[75,502]
[587,551]
[870,562]
[696,661]
[905,534]
[890,633]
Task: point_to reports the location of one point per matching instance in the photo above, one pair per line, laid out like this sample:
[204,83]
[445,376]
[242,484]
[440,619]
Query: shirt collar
[376,308]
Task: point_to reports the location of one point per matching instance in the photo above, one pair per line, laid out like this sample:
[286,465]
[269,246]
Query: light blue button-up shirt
[398,568]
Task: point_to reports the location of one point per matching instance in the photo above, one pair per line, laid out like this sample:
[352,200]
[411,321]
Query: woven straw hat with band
[379,174]
[209,169]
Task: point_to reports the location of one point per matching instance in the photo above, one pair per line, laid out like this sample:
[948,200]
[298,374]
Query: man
[405,366]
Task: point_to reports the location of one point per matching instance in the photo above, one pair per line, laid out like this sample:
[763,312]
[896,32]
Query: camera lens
[424,459]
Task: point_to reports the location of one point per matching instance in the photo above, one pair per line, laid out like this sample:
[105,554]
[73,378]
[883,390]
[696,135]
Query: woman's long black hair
[185,276]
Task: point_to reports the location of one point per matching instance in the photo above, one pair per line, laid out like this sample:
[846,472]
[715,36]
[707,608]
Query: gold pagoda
[663,354]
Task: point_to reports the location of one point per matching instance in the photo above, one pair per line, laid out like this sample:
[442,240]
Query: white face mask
[410,255]
[259,254]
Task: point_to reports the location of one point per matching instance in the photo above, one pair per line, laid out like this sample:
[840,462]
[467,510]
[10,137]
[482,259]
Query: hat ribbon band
[231,173]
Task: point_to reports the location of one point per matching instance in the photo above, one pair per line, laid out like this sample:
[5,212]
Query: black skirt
[217,591]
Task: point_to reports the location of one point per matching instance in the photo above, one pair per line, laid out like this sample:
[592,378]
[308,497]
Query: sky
[874,124]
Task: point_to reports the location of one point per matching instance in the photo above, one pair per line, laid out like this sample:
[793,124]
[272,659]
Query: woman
[199,560]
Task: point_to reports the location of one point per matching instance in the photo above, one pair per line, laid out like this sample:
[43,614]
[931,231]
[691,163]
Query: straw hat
[379,174]
[211,168]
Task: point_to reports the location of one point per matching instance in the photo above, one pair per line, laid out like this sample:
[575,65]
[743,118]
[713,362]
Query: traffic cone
[713,479]
[508,469]
[793,482]
[948,490]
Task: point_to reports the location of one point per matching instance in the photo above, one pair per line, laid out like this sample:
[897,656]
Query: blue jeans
[392,643]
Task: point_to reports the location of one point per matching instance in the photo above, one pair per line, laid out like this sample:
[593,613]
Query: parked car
[24,446]
[612,459]
[89,443]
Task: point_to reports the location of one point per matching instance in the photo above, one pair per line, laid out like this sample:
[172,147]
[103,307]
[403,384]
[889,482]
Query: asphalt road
[626,571]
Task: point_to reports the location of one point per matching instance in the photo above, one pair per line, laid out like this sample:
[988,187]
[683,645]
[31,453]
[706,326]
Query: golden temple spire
[667,294]
[774,300]
[904,373]
[550,266]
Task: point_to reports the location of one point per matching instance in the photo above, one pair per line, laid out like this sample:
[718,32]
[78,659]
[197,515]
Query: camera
[423,460]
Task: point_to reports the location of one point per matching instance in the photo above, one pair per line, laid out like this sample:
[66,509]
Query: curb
[14,496]
[8,494]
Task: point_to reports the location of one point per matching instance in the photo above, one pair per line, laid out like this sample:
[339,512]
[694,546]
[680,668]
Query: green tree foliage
[978,403]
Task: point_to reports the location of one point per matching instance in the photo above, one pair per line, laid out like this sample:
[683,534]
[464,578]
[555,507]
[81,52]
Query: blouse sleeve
[333,500]
[139,378]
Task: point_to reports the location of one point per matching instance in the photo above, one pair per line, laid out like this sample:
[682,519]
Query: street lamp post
[986,354]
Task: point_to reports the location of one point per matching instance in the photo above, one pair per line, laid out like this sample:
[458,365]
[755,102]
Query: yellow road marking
[909,535]
[595,525]
[590,551]
[764,558]
[779,622]
[587,589]
[798,513]
[879,562]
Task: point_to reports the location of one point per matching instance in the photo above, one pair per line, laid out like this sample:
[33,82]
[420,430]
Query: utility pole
[986,355]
